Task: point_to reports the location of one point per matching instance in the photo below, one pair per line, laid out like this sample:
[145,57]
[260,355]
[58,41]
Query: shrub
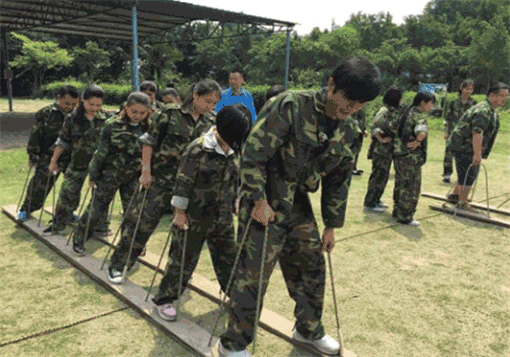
[114,93]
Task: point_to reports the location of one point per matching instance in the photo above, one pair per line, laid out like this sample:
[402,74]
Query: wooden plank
[269,320]
[473,216]
[474,204]
[189,333]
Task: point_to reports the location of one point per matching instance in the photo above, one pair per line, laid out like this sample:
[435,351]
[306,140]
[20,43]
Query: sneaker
[22,216]
[375,209]
[452,198]
[228,353]
[167,312]
[79,249]
[413,223]
[467,207]
[53,230]
[326,345]
[446,179]
[103,234]
[382,205]
[357,172]
[114,276]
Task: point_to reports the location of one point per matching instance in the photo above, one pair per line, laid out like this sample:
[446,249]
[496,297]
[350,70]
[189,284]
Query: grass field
[442,289]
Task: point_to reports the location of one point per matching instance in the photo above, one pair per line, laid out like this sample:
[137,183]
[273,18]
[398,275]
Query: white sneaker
[167,312]
[227,353]
[114,276]
[382,205]
[326,345]
[375,209]
[414,223]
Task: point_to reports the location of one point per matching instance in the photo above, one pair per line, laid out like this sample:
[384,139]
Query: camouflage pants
[448,163]
[298,249]
[156,203]
[222,247]
[69,199]
[35,196]
[378,179]
[97,208]
[407,188]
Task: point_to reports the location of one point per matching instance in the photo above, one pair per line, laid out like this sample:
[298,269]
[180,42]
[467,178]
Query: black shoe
[357,172]
[53,230]
[452,198]
[79,249]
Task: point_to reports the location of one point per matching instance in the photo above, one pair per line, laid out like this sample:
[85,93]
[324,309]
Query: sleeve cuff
[180,202]
[420,129]
[148,139]
[62,144]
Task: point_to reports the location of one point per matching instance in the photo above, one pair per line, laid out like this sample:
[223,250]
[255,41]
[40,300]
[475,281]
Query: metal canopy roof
[112,19]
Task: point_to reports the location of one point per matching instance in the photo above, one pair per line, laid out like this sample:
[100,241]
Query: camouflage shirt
[48,122]
[207,178]
[171,130]
[80,137]
[454,111]
[480,119]
[293,143]
[118,151]
[383,125]
[408,128]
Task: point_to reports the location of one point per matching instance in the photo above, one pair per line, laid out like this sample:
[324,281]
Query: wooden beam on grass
[269,320]
[475,205]
[474,216]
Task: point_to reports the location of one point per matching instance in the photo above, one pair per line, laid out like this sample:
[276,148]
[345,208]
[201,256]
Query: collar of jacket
[230,92]
[490,105]
[211,143]
[59,108]
[320,100]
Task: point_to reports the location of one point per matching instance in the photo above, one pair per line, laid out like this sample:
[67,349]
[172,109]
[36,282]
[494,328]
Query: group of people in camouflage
[204,167]
[399,135]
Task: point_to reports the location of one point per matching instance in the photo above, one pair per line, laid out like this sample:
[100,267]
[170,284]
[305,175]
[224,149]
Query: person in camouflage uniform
[360,119]
[381,149]
[410,153]
[115,165]
[453,112]
[472,140]
[79,135]
[171,130]
[297,143]
[204,199]
[48,122]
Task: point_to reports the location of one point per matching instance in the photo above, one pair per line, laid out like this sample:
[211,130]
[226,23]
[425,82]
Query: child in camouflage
[204,200]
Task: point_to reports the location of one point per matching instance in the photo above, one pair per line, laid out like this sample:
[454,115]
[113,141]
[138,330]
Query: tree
[373,29]
[39,57]
[342,42]
[91,59]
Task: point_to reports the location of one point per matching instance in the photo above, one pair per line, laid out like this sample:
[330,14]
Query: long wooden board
[269,321]
[474,204]
[473,216]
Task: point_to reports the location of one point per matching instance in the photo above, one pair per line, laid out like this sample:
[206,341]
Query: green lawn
[442,289]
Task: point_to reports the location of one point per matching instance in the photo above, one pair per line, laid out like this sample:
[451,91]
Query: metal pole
[8,73]
[134,62]
[287,60]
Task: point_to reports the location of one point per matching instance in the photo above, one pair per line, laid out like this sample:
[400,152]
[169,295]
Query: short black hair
[496,87]
[274,91]
[68,90]
[392,97]
[358,78]
[233,123]
[423,96]
[148,86]
[170,85]
[93,91]
[170,91]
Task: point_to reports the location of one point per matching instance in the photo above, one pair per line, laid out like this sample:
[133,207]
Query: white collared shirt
[210,142]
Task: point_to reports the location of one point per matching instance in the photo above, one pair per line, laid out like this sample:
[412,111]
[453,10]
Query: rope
[47,332]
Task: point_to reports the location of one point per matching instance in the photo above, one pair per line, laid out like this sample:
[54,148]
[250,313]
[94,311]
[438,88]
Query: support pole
[287,60]
[134,62]
[8,73]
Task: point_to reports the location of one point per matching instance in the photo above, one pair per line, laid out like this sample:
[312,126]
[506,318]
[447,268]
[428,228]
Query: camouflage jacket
[293,144]
[118,151]
[454,111]
[360,119]
[171,130]
[408,127]
[207,179]
[478,119]
[383,125]
[48,122]
[80,137]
